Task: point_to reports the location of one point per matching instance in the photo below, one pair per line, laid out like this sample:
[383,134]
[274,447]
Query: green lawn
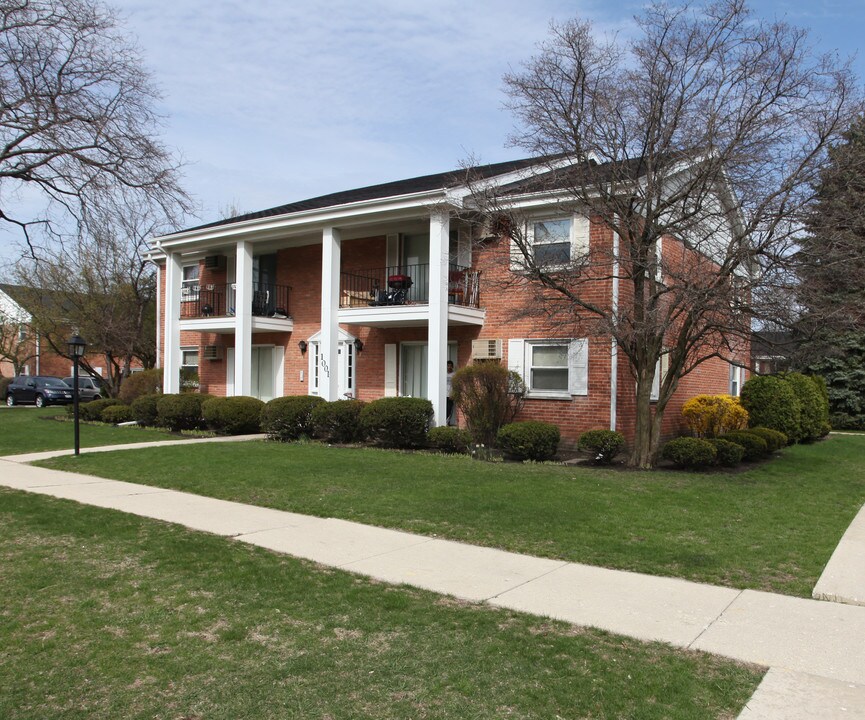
[29,429]
[106,615]
[770,528]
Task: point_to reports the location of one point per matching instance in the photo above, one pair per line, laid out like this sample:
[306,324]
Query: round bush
[93,410]
[116,414]
[709,416]
[144,410]
[810,403]
[238,415]
[727,454]
[689,452]
[146,382]
[529,440]
[450,439]
[399,422]
[290,417]
[338,421]
[604,445]
[771,402]
[755,447]
[180,412]
[823,395]
[774,440]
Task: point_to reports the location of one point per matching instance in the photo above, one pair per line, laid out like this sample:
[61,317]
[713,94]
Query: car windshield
[54,382]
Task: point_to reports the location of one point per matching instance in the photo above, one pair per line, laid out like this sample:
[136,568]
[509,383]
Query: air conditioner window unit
[486,349]
[212,352]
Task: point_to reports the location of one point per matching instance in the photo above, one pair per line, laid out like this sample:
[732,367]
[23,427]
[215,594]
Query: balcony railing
[405,285]
[198,301]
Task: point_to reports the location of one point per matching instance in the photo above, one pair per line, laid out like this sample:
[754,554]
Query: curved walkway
[814,649]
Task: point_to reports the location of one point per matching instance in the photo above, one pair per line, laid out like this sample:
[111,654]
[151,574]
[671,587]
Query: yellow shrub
[710,416]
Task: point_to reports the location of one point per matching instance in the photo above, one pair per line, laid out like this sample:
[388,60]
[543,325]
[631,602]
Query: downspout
[614,346]
[38,352]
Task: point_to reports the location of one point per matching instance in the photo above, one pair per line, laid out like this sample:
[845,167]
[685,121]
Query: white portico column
[171,363]
[439,238]
[331,253]
[243,320]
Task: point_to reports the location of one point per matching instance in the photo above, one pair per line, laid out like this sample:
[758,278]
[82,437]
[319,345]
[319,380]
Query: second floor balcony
[213,307]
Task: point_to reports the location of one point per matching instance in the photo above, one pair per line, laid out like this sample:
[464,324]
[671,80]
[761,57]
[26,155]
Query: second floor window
[551,241]
[189,286]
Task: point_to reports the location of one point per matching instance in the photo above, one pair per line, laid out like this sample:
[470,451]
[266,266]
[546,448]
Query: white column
[159,362]
[439,237]
[243,320]
[171,364]
[331,252]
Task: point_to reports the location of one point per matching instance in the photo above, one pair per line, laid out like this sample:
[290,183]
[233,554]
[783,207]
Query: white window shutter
[659,258]
[578,367]
[464,248]
[580,236]
[392,250]
[517,357]
[656,383]
[518,261]
[390,370]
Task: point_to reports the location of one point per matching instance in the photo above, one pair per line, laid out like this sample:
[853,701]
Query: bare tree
[709,131]
[77,122]
[16,345]
[102,286]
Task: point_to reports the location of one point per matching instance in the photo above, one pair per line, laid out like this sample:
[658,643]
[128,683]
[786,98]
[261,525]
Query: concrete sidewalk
[815,649]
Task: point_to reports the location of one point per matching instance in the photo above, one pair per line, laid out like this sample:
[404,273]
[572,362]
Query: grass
[771,528]
[27,429]
[106,615]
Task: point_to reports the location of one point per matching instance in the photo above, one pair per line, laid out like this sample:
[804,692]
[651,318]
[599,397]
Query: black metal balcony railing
[405,285]
[268,300]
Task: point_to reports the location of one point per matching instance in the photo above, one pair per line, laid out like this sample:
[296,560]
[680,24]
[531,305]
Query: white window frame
[529,367]
[737,378]
[579,231]
[520,358]
[190,349]
[190,286]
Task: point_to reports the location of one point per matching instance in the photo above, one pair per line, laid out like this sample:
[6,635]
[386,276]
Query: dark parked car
[41,390]
[89,388]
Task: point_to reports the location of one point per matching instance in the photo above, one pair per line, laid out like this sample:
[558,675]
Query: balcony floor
[225,325]
[408,316]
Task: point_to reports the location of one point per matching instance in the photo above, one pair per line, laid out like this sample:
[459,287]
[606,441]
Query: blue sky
[270,102]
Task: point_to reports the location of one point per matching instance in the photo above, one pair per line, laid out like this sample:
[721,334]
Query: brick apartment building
[367,293]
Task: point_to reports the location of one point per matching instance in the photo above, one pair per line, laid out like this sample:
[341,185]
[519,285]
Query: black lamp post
[76,347]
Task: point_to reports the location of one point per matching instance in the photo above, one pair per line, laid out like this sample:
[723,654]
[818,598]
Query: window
[736,377]
[551,241]
[189,285]
[553,368]
[189,358]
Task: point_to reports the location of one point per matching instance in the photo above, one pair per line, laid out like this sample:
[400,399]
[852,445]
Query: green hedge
[399,422]
[774,440]
[290,417]
[452,440]
[338,421]
[755,446]
[144,410]
[237,415]
[116,414]
[604,445]
[689,452]
[93,410]
[810,414]
[771,402]
[146,382]
[529,440]
[727,453]
[181,412]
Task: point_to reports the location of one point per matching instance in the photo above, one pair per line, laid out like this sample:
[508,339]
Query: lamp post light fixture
[76,347]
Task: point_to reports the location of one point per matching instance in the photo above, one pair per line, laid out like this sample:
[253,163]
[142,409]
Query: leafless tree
[710,127]
[77,122]
[16,344]
[102,286]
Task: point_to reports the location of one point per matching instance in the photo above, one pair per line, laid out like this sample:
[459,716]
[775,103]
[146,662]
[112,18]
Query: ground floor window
[189,368]
[737,376]
[552,368]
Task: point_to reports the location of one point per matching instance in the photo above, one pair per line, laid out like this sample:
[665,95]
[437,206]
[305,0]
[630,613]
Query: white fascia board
[459,194]
[11,310]
[310,220]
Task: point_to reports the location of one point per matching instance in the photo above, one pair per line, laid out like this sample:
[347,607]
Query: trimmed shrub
[290,417]
[237,415]
[772,403]
[449,439]
[810,414]
[774,440]
[727,454]
[689,452]
[144,410]
[93,410]
[338,421]
[488,395]
[146,382]
[529,440]
[604,445]
[116,414]
[709,416]
[399,422]
[181,412]
[755,447]
[823,393]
